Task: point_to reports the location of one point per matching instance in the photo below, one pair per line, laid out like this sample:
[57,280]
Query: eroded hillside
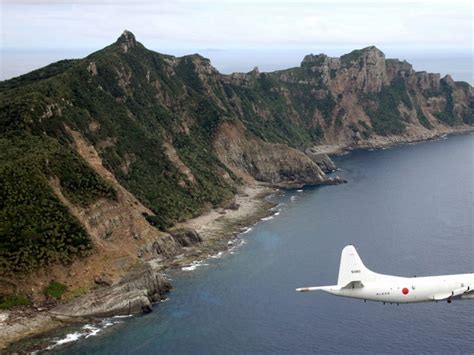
[102,155]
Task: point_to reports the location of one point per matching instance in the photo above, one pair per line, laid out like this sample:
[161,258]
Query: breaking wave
[86,331]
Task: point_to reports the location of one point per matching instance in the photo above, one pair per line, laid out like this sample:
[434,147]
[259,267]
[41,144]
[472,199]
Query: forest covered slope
[126,131]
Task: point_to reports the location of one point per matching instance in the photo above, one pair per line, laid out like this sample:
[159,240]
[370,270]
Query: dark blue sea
[407,209]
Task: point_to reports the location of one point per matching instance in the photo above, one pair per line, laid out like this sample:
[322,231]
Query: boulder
[103,280]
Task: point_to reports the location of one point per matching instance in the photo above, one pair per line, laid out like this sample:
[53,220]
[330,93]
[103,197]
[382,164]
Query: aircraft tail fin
[351,270]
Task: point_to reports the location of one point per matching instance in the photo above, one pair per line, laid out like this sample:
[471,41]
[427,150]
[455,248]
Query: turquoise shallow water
[408,210]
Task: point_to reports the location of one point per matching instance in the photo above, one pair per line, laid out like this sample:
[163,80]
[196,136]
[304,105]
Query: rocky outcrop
[275,164]
[362,69]
[321,159]
[126,41]
[397,68]
[186,237]
[134,294]
[370,74]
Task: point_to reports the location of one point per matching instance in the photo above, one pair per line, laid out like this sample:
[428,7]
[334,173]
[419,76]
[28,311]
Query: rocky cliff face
[276,164]
[134,294]
[147,140]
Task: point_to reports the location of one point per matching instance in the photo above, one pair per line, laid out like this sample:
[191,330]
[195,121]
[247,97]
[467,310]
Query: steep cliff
[114,149]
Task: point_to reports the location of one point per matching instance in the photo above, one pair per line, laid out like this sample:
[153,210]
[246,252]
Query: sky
[36,31]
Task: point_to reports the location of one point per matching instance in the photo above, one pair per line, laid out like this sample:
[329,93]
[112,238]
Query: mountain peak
[127,40]
[127,36]
[368,52]
[370,49]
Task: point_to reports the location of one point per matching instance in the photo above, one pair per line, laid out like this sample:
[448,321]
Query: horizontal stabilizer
[320,288]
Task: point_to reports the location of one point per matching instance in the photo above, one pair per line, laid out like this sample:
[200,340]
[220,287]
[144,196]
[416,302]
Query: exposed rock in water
[134,294]
[336,181]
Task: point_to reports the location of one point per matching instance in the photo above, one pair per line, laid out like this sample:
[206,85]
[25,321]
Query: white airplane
[356,281]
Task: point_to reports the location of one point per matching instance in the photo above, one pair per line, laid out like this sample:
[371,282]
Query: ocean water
[407,209]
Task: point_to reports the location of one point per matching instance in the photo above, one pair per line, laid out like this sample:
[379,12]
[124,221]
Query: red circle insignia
[405,291]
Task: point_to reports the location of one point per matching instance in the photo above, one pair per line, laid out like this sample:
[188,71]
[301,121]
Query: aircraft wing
[452,294]
[470,290]
[469,294]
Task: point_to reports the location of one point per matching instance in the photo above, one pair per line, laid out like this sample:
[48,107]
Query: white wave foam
[292,198]
[87,331]
[69,338]
[217,256]
[93,331]
[238,243]
[267,218]
[277,213]
[246,230]
[193,266]
[189,268]
[299,190]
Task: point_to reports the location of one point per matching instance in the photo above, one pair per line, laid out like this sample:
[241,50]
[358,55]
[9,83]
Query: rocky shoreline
[145,284]
[201,238]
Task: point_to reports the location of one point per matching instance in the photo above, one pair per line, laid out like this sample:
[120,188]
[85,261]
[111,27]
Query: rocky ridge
[175,138]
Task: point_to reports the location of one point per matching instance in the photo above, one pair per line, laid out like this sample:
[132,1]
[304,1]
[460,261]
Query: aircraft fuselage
[357,281]
[393,289]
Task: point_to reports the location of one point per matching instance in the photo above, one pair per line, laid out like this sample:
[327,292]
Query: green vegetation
[468,117]
[187,72]
[55,290]
[423,119]
[386,118]
[365,130]
[35,228]
[10,301]
[36,75]
[134,103]
[348,58]
[326,106]
[281,127]
[447,115]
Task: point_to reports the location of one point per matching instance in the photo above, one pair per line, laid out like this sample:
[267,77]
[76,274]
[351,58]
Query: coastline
[391,141]
[220,226]
[217,228]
